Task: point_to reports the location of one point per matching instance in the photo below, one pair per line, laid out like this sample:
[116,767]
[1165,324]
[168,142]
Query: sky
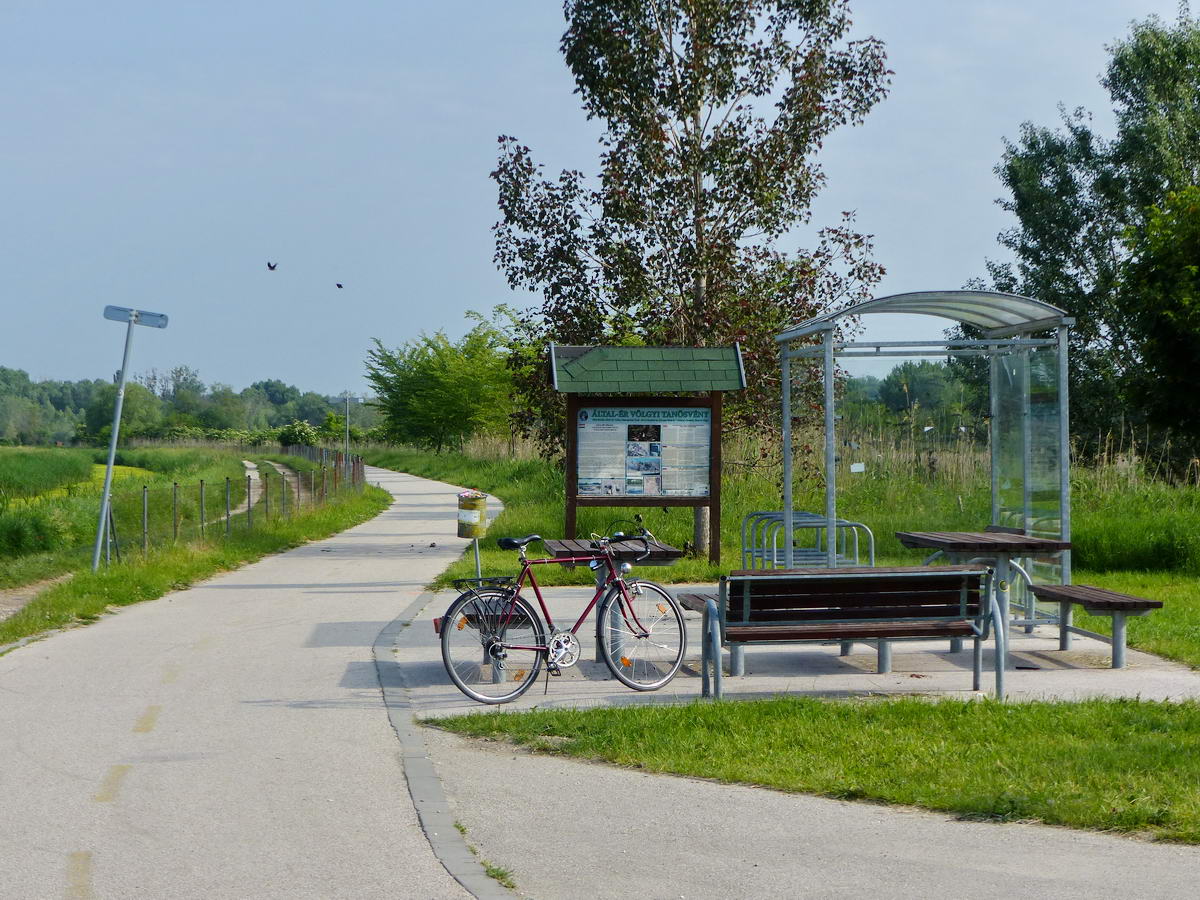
[157,155]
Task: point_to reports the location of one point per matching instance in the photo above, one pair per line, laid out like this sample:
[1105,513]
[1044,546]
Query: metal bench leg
[885,657]
[712,640]
[846,647]
[1000,632]
[737,660]
[1118,644]
[956,645]
[977,664]
[1065,611]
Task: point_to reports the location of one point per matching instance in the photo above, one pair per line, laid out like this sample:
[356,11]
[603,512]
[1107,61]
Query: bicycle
[494,644]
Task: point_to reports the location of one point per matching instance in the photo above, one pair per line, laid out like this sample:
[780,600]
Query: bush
[33,530]
[298,433]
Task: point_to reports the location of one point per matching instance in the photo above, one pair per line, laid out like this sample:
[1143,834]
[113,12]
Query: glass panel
[1028,463]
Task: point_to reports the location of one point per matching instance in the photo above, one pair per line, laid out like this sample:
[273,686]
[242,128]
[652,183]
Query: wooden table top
[980,542]
[623,551]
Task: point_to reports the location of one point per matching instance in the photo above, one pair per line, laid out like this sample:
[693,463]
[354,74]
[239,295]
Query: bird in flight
[271,266]
[339,284]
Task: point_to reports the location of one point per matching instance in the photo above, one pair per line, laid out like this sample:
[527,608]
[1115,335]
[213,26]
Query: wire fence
[157,516]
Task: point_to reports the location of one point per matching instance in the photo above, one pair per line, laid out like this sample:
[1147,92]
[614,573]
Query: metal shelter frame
[1008,323]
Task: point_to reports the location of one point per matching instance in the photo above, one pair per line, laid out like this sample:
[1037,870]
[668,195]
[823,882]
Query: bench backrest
[789,596]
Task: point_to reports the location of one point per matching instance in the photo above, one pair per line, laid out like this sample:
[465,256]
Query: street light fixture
[132,317]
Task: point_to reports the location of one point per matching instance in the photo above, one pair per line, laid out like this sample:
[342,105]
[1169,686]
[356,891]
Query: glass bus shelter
[1025,343]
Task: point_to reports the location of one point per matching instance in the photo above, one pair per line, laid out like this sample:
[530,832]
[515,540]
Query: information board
[643,451]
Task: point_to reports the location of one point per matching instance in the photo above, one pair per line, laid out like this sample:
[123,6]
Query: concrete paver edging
[424,786]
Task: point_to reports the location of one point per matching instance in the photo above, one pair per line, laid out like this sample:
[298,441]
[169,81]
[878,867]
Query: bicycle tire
[475,631]
[647,657]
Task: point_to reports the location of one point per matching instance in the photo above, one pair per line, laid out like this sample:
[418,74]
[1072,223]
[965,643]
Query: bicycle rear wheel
[643,639]
[488,641]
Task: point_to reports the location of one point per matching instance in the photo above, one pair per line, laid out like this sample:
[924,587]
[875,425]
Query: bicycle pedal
[552,669]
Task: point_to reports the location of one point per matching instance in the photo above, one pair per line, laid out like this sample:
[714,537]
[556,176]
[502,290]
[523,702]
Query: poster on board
[643,451]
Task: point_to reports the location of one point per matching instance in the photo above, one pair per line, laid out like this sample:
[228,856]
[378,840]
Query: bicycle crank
[563,650]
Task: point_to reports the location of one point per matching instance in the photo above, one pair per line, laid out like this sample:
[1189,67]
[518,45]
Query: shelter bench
[1098,602]
[849,604]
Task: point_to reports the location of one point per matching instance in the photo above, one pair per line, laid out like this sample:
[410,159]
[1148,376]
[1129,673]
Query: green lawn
[1116,765]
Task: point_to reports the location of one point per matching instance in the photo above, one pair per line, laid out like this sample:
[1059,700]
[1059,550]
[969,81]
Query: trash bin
[472,514]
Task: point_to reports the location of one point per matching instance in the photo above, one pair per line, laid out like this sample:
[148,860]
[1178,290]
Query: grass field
[47,533]
[1129,766]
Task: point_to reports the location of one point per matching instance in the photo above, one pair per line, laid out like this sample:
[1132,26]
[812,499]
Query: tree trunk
[701,529]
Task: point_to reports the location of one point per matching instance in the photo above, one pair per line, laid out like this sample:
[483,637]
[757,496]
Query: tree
[276,391]
[141,411]
[712,115]
[1163,272]
[1077,196]
[436,393]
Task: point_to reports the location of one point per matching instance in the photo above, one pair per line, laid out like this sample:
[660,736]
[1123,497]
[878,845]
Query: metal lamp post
[132,317]
[347,396]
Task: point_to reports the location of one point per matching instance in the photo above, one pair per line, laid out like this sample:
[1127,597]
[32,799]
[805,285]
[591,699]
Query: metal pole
[201,507]
[145,520]
[105,500]
[228,511]
[1064,449]
[175,511]
[249,506]
[478,569]
[785,368]
[266,483]
[994,431]
[347,432]
[830,458]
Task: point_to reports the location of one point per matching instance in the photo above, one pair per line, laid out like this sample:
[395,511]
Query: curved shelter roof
[997,314]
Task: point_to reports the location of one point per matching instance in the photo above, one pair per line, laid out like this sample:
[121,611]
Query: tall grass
[49,533]
[29,472]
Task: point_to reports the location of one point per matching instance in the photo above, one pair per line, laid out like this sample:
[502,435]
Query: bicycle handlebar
[645,537]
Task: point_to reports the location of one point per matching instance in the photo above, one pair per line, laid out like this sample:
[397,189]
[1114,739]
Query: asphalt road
[229,740]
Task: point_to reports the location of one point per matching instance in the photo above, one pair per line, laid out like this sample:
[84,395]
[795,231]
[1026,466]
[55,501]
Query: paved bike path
[229,740]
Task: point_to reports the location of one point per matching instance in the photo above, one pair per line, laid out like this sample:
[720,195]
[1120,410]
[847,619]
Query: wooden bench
[845,605]
[1098,602]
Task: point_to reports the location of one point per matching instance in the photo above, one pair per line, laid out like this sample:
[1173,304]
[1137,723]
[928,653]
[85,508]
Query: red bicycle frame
[527,570]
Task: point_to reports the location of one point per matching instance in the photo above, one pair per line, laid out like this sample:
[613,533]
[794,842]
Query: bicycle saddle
[517,543]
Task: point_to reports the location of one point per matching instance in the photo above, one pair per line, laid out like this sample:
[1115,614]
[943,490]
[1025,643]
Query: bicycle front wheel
[642,636]
[491,645]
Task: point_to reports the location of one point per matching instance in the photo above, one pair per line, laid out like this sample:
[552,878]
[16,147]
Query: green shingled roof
[646,370]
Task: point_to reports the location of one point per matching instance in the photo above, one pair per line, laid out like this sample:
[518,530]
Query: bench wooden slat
[1093,597]
[837,614]
[847,630]
[767,574]
[822,599]
[695,602]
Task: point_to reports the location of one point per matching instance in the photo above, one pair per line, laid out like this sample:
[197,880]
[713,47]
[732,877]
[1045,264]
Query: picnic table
[1000,548]
[624,551]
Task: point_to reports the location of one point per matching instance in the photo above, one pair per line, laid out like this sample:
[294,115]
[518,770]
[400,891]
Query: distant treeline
[171,405]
